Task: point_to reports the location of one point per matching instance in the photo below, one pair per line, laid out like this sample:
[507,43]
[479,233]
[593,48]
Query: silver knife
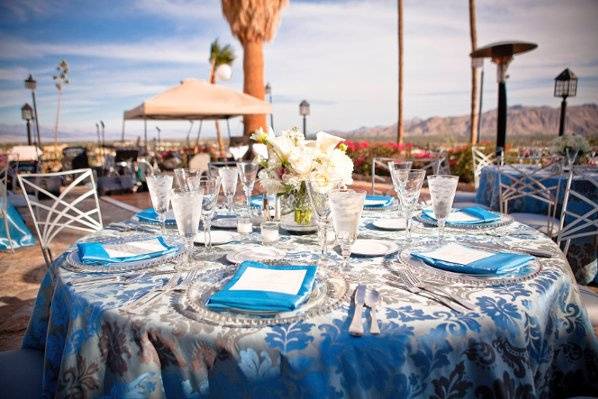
[356,327]
[371,300]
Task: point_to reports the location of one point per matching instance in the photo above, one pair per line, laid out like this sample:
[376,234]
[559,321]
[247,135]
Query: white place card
[134,248]
[457,253]
[282,281]
[460,217]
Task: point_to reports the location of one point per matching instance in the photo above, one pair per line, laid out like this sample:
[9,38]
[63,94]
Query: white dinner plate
[257,253]
[225,223]
[373,248]
[392,224]
[219,237]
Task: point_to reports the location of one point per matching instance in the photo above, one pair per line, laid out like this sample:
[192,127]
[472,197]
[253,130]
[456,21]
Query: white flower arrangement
[293,160]
[574,142]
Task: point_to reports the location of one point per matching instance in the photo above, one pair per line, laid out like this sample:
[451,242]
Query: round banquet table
[525,339]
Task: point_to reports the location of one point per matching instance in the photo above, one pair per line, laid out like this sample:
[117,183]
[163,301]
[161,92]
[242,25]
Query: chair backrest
[53,215]
[481,160]
[579,216]
[380,163]
[542,184]
[442,164]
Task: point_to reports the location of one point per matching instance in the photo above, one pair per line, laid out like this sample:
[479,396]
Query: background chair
[380,164]
[55,214]
[481,160]
[200,163]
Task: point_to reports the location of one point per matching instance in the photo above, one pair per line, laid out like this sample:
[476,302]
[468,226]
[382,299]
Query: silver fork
[173,285]
[151,295]
[408,285]
[416,281]
[423,294]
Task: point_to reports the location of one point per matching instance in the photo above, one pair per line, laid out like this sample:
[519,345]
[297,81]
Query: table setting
[423,305]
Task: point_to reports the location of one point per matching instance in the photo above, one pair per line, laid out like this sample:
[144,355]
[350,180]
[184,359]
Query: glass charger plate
[73,263]
[330,291]
[436,275]
[170,221]
[504,221]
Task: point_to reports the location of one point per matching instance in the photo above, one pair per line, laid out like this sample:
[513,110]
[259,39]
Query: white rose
[282,146]
[301,161]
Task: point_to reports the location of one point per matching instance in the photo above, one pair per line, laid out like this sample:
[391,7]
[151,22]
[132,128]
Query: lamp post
[565,85]
[27,115]
[31,84]
[268,90]
[304,111]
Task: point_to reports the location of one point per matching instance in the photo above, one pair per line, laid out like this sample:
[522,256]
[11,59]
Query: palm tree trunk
[253,83]
[217,125]
[400,131]
[57,119]
[473,34]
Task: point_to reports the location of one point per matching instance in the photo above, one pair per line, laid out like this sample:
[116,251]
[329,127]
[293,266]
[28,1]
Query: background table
[528,339]
[20,235]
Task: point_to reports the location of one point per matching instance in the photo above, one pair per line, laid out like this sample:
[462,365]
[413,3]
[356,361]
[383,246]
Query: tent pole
[228,128]
[122,135]
[198,133]
[145,134]
[188,141]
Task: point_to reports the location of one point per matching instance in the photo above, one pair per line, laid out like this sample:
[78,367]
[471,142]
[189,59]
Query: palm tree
[473,34]
[400,132]
[253,22]
[61,79]
[219,55]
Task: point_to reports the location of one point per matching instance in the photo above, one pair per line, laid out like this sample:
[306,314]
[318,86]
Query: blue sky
[339,55]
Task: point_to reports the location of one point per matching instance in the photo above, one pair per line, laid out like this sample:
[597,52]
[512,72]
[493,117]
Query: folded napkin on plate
[259,287]
[463,259]
[377,201]
[96,253]
[150,215]
[471,215]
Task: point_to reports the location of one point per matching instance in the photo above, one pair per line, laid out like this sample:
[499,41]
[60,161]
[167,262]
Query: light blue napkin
[150,215]
[481,214]
[262,300]
[497,263]
[94,253]
[377,201]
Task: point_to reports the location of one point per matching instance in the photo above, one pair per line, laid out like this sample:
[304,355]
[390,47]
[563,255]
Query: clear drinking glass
[160,189]
[346,207]
[186,205]
[247,174]
[210,188]
[239,151]
[392,167]
[229,177]
[442,191]
[408,185]
[180,179]
[270,232]
[318,191]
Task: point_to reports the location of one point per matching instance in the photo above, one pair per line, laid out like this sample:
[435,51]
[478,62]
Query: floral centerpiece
[292,160]
[572,142]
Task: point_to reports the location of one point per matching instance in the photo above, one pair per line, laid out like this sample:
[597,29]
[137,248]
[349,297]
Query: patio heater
[31,84]
[304,111]
[501,54]
[268,90]
[565,85]
[27,115]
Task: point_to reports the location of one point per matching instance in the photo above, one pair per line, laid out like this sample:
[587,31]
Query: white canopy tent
[196,100]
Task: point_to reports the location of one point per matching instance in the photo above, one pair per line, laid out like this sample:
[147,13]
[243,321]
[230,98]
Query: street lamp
[27,115]
[268,90]
[565,85]
[304,111]
[31,84]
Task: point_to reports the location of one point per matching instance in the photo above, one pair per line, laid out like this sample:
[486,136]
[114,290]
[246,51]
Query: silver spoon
[372,298]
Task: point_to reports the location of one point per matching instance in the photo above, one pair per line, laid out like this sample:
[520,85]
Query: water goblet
[392,167]
[442,191]
[210,188]
[318,191]
[409,184]
[571,156]
[160,187]
[229,177]
[239,151]
[186,205]
[346,207]
[247,174]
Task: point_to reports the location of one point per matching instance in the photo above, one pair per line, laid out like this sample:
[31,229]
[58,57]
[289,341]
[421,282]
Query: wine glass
[571,156]
[247,174]
[210,188]
[160,187]
[346,207]
[442,191]
[187,205]
[392,167]
[229,177]
[239,151]
[318,191]
[408,184]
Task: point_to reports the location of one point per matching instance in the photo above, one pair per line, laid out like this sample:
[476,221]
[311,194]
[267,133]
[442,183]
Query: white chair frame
[526,183]
[481,160]
[380,163]
[581,225]
[56,220]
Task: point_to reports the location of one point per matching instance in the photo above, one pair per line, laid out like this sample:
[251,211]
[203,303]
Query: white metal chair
[543,184]
[52,216]
[481,160]
[380,163]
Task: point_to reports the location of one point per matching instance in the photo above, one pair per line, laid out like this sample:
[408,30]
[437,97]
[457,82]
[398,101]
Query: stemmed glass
[180,178]
[247,174]
[210,187]
[160,188]
[318,191]
[239,151]
[442,191]
[186,205]
[346,207]
[229,177]
[408,184]
[392,167]
[571,156]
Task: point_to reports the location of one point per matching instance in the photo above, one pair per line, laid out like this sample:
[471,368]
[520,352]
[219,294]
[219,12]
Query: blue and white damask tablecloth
[522,340]
[14,233]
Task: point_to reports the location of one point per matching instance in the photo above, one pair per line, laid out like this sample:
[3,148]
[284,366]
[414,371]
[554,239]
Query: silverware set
[365,297]
[116,279]
[130,225]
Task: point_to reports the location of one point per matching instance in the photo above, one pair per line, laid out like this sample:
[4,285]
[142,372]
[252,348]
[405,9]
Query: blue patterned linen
[523,340]
[94,253]
[377,201]
[20,235]
[263,300]
[482,215]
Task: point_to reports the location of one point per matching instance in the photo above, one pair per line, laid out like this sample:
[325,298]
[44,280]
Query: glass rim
[453,177]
